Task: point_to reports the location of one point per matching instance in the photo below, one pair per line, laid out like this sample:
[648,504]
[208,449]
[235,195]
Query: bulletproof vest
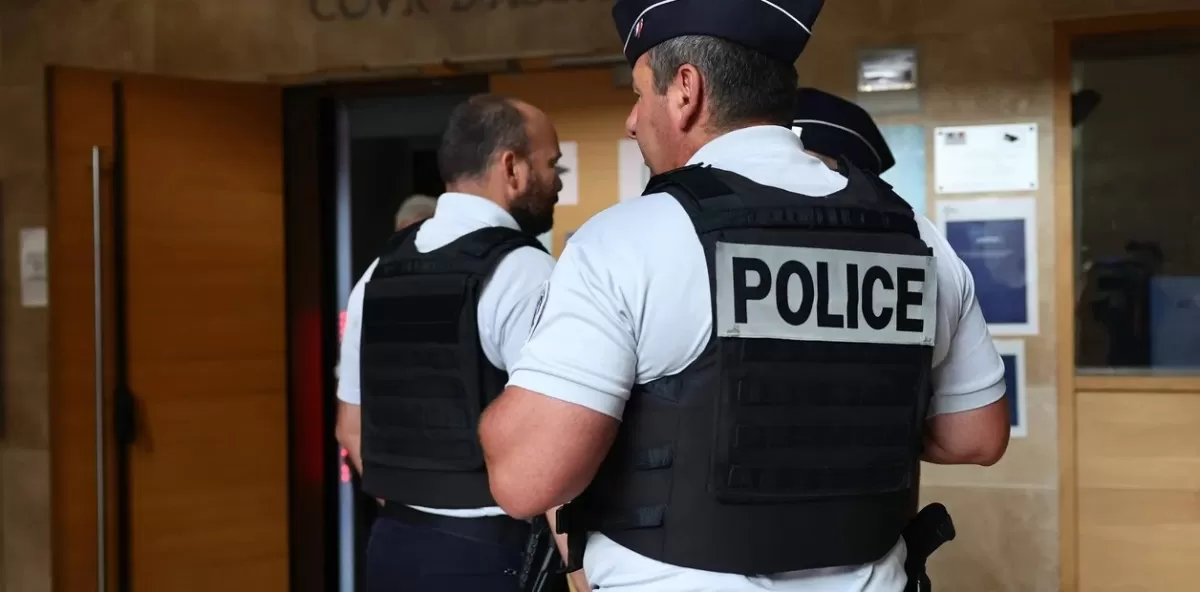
[424,376]
[792,441]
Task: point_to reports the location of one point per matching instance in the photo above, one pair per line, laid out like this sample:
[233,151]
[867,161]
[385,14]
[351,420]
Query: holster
[541,570]
[928,530]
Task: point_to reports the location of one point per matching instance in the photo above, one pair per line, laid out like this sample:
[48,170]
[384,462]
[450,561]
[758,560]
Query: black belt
[499,530]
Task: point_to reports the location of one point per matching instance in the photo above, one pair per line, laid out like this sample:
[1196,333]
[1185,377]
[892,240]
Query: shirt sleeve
[507,303]
[348,364]
[582,348]
[971,375]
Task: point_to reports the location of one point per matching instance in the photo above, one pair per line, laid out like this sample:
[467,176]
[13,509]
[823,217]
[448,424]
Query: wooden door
[204,332]
[81,111]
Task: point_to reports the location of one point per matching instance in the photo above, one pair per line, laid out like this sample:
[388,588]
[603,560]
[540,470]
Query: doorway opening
[386,149]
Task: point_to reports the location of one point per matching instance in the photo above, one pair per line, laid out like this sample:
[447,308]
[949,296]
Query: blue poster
[1012,389]
[907,177]
[994,251]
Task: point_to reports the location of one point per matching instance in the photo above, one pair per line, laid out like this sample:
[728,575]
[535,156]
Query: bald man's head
[479,129]
[507,151]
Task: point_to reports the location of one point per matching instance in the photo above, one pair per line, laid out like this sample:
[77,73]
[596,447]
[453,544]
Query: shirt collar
[482,211]
[770,155]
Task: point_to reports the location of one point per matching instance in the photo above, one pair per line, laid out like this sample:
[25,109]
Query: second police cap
[833,126]
[776,28]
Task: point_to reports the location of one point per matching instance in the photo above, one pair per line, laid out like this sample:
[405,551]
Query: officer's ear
[515,171]
[684,96]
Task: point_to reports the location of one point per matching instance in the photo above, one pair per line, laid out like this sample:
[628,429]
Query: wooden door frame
[1068,379]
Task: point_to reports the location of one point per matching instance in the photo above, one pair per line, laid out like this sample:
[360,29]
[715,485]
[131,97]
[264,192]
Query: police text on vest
[807,294]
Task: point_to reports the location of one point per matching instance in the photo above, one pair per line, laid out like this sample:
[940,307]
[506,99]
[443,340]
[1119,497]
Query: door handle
[98,311]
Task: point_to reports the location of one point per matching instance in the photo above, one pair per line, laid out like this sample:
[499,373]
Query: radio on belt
[825,294]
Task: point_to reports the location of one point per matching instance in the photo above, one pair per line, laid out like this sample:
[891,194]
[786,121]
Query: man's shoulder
[632,222]
[528,262]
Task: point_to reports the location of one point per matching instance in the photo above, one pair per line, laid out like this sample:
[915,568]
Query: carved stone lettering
[355,10]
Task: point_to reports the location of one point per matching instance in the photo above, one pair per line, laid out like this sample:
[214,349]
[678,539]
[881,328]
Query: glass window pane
[1137,202]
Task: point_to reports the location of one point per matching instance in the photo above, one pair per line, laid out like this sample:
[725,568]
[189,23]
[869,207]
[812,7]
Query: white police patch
[806,294]
[539,308]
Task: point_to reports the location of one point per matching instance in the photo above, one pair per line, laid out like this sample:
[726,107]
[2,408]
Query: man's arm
[975,437]
[541,452]
[349,415]
[349,432]
[508,305]
[545,437]
[968,421]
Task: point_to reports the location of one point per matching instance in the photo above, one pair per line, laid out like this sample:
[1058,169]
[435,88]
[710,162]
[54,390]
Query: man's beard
[534,211]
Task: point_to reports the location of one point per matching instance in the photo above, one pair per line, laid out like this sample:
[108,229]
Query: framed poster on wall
[1012,351]
[997,239]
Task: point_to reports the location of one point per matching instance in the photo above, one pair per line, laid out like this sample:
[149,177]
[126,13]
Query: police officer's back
[734,370]
[432,328]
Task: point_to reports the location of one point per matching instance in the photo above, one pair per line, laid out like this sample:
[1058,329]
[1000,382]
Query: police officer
[431,328]
[831,127]
[730,376]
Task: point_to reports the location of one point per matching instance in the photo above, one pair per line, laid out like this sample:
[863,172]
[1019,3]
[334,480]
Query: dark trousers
[404,558]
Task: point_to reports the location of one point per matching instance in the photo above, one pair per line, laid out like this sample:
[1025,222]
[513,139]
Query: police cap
[835,127]
[776,28]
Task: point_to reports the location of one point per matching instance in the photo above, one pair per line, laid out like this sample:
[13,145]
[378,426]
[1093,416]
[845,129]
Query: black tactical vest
[792,442]
[424,376]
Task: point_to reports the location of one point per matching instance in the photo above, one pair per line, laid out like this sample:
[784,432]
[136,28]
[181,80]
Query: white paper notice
[569,196]
[34,293]
[632,172]
[547,240]
[986,158]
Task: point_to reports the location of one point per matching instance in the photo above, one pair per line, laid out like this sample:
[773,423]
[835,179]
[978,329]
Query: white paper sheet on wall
[34,290]
[986,158]
[632,172]
[569,196]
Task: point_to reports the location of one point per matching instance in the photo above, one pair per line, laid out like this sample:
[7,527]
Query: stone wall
[981,61]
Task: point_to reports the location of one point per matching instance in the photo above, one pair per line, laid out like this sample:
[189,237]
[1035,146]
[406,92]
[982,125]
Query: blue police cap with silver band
[833,126]
[776,28]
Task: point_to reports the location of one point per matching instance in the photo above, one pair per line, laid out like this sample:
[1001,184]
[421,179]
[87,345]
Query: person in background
[413,209]
[432,327]
[733,377]
[831,127]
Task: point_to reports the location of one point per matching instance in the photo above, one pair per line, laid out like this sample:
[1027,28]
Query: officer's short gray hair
[414,209]
[744,85]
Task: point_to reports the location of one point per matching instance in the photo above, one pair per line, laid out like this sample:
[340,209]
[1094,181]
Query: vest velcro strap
[649,459]
[631,518]
[697,181]
[845,218]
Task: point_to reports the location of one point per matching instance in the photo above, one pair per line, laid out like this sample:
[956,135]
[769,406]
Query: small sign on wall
[547,240]
[34,290]
[1012,352]
[632,172]
[986,158]
[569,196]
[886,70]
